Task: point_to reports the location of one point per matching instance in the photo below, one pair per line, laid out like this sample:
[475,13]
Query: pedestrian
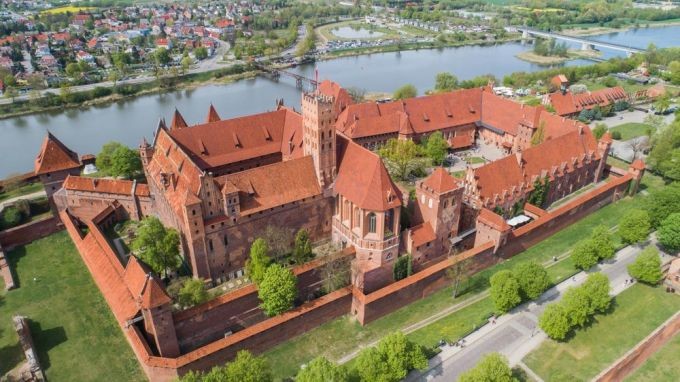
[554,258]
[573,279]
[625,282]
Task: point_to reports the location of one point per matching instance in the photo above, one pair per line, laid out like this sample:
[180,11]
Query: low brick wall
[29,232]
[634,358]
[5,271]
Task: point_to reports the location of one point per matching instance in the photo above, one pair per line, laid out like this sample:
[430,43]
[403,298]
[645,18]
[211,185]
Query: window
[372,222]
[210,245]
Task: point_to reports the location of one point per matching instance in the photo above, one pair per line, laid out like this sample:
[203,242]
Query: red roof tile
[55,156]
[498,176]
[638,164]
[440,181]
[492,219]
[107,186]
[570,103]
[363,179]
[178,121]
[422,234]
[212,115]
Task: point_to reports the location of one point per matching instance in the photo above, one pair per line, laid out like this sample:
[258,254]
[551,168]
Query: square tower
[318,133]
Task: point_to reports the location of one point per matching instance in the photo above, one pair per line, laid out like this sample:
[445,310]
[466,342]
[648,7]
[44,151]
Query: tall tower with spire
[319,135]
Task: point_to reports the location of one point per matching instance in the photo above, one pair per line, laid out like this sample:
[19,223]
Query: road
[209,64]
[516,334]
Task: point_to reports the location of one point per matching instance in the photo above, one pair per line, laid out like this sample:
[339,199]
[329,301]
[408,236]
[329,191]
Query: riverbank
[532,57]
[164,84]
[598,30]
[411,46]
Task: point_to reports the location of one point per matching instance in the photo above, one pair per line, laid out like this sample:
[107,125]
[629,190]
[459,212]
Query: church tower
[319,135]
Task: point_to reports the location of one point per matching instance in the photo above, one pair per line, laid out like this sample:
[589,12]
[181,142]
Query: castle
[220,183]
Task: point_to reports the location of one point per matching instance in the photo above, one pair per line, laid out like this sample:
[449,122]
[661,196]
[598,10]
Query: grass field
[662,366]
[75,334]
[632,130]
[22,190]
[68,8]
[636,313]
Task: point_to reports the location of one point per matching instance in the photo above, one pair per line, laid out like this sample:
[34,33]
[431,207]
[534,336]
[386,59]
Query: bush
[616,135]
[505,291]
[647,267]
[11,217]
[406,91]
[634,226]
[99,92]
[599,130]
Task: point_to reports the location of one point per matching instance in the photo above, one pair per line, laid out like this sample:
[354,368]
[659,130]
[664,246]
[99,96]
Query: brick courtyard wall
[367,308]
[29,232]
[5,271]
[634,358]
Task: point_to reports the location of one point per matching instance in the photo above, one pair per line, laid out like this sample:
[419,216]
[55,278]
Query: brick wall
[29,232]
[634,358]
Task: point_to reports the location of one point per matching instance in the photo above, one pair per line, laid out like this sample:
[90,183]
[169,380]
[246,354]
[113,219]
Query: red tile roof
[273,185]
[363,178]
[498,176]
[440,181]
[212,115]
[143,286]
[422,234]
[341,97]
[506,115]
[493,220]
[638,164]
[106,186]
[232,140]
[55,156]
[178,121]
[570,103]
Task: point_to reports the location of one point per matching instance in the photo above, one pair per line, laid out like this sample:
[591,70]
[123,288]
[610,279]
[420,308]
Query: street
[516,334]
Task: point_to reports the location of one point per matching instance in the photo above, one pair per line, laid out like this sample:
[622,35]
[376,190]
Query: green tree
[391,359]
[157,245]
[662,202]
[258,261]
[185,63]
[404,92]
[584,254]
[539,194]
[647,266]
[125,162]
[11,93]
[193,292]
[555,322]
[277,290]
[400,157]
[634,226]
[492,368]
[532,278]
[600,129]
[321,369]
[72,69]
[445,82]
[402,268]
[201,53]
[162,56]
[577,304]
[247,368]
[669,232]
[597,288]
[505,291]
[436,148]
[603,242]
[302,250]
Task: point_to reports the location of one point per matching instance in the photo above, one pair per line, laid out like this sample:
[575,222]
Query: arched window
[345,212]
[357,217]
[372,222]
[389,221]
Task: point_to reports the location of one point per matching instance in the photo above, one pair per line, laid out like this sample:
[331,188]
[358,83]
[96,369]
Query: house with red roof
[569,104]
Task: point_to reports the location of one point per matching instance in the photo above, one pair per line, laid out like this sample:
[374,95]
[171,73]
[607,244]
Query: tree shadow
[13,258]
[45,340]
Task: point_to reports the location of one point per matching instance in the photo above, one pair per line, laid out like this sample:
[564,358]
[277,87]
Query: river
[85,130]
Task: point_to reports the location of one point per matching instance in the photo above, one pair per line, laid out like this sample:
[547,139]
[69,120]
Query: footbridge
[275,74]
[586,44]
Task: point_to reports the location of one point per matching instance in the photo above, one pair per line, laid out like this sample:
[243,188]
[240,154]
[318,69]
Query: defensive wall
[635,357]
[26,233]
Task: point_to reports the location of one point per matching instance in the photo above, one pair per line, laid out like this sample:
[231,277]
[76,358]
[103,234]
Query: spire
[212,115]
[178,121]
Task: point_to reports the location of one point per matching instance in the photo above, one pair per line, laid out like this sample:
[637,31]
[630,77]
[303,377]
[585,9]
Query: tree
[201,53]
[185,63]
[662,103]
[391,359]
[404,92]
[492,368]
[459,273]
[445,82]
[597,288]
[335,274]
[539,194]
[539,135]
[302,250]
[247,368]
[435,147]
[258,260]
[11,93]
[279,240]
[125,162]
[669,232]
[72,69]
[576,302]
[600,129]
[634,226]
[321,369]
[532,278]
[157,245]
[162,56]
[277,290]
[637,146]
[554,322]
[400,157]
[402,268]
[505,291]
[603,242]
[647,267]
[193,293]
[585,254]
[662,202]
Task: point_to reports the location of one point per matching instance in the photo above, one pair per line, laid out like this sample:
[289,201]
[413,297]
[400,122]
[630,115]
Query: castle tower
[637,169]
[319,135]
[54,164]
[603,147]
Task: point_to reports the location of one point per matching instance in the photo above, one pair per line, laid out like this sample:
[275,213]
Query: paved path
[516,334]
[31,196]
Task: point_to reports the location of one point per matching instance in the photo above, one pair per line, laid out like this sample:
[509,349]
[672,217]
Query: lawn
[76,336]
[22,190]
[637,312]
[475,160]
[69,8]
[343,335]
[662,366]
[632,130]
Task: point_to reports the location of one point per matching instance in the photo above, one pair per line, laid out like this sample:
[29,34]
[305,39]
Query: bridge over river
[586,44]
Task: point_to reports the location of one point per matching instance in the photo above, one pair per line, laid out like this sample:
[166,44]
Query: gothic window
[357,217]
[210,245]
[389,220]
[372,222]
[345,211]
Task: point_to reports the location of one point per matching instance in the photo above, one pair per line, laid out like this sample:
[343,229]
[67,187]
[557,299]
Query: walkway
[31,196]
[516,334]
